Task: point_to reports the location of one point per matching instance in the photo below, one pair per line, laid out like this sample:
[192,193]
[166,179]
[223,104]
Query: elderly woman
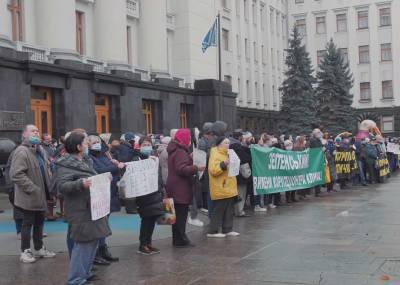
[72,174]
[179,185]
[223,190]
[103,164]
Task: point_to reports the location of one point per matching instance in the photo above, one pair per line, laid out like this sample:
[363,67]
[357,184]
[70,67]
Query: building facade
[156,44]
[367,32]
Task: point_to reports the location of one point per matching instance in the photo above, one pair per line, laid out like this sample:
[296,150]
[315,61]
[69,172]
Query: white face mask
[289,147]
[96,147]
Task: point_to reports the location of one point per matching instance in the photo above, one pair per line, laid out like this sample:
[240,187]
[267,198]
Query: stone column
[153,36]
[56,29]
[110,33]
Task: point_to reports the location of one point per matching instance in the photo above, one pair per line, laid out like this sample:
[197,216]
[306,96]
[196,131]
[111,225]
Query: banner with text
[345,163]
[275,170]
[100,195]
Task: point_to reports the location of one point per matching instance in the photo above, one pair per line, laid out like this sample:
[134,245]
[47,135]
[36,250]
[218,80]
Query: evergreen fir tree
[298,98]
[333,92]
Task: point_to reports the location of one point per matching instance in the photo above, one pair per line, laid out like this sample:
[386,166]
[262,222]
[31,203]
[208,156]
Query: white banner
[393,148]
[100,195]
[199,159]
[234,163]
[141,177]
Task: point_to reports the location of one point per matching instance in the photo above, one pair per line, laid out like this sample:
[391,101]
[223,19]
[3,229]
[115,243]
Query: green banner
[275,170]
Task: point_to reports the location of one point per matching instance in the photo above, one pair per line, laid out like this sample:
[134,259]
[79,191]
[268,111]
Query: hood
[70,161]
[173,146]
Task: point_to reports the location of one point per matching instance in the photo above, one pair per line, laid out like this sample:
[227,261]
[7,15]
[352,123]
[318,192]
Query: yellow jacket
[221,185]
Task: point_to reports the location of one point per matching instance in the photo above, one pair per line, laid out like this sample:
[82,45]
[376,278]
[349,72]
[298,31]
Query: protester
[103,164]
[29,172]
[150,206]
[223,190]
[72,181]
[315,142]
[290,195]
[243,152]
[180,182]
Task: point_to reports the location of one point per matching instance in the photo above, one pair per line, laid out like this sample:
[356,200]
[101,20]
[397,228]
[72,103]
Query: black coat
[244,155]
[125,153]
[150,205]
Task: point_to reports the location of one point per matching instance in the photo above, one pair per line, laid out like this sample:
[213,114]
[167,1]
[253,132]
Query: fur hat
[219,128]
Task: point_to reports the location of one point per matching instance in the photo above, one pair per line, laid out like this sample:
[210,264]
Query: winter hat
[183,136]
[172,133]
[247,135]
[129,136]
[207,127]
[219,140]
[219,128]
[338,140]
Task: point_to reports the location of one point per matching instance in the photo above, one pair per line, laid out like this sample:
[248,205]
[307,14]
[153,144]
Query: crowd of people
[45,172]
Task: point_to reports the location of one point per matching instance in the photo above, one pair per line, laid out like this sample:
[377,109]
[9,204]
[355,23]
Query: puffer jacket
[69,174]
[222,186]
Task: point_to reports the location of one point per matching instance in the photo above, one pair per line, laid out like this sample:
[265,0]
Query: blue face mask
[96,147]
[33,140]
[146,150]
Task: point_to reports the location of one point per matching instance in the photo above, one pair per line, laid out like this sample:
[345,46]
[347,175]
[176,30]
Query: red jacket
[180,174]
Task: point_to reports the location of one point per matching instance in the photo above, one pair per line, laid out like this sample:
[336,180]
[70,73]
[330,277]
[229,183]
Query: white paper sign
[100,195]
[234,163]
[199,159]
[141,177]
[393,148]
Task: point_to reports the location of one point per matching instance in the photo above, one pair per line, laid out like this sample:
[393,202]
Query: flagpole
[220,109]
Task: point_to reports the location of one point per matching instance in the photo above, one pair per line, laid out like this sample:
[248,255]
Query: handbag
[245,170]
[169,217]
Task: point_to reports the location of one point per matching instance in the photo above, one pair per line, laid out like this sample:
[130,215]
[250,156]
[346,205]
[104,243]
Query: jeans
[361,167]
[18,225]
[80,265]
[147,226]
[35,220]
[70,242]
[222,216]
[179,236]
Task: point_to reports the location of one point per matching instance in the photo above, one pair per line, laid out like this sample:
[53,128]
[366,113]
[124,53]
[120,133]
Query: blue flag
[211,37]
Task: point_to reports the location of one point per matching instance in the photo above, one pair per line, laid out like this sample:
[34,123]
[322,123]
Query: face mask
[96,147]
[33,140]
[86,151]
[289,148]
[146,150]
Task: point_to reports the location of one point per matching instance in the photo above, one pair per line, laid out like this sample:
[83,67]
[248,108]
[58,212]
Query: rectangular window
[320,25]
[238,47]
[277,24]
[225,39]
[278,59]
[385,17]
[262,17]
[248,90]
[102,109]
[224,3]
[239,87]
[246,48]
[148,113]
[263,58]
[363,19]
[271,21]
[254,10]
[272,58]
[255,51]
[365,91]
[15,8]
[257,93]
[301,26]
[129,43]
[238,7]
[320,56]
[299,1]
[387,124]
[386,52]
[387,89]
[341,22]
[183,116]
[79,32]
[363,54]
[246,10]
[345,54]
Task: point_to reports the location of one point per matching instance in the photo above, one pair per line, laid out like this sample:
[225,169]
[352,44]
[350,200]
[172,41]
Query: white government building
[163,38]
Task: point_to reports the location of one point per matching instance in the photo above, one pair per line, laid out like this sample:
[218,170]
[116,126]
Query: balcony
[36,53]
[98,65]
[132,8]
[170,21]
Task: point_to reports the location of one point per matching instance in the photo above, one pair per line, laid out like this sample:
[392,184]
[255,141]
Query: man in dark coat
[315,142]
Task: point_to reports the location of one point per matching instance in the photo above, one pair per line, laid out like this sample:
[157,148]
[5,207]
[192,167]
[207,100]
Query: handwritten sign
[199,159]
[234,163]
[141,177]
[100,195]
[393,148]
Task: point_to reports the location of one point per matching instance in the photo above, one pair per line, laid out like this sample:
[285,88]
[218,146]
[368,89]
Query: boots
[105,254]
[50,213]
[99,260]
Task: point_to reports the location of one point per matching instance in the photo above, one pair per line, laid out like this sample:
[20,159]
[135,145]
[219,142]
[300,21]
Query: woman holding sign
[223,190]
[179,185]
[72,175]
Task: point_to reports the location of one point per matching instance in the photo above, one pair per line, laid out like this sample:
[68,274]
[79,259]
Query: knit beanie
[219,140]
